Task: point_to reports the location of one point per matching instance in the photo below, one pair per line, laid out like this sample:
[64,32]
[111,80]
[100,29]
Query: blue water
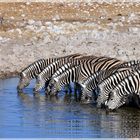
[36,116]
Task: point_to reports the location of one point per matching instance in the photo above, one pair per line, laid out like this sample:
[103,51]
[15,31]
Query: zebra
[57,73]
[95,79]
[34,69]
[47,73]
[129,86]
[85,71]
[66,67]
[70,75]
[109,84]
[106,85]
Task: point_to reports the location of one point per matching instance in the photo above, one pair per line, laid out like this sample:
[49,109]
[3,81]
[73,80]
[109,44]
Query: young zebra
[84,70]
[36,68]
[128,87]
[94,80]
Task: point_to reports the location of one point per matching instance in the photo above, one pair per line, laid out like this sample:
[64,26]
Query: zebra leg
[135,100]
[78,91]
[66,88]
[46,84]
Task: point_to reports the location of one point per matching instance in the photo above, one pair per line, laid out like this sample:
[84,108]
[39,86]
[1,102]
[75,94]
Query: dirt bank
[31,31]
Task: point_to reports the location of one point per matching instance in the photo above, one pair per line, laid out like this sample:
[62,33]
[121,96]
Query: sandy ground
[30,31]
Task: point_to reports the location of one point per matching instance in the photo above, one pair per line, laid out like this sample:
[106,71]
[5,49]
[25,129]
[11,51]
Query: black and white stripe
[109,84]
[86,69]
[48,72]
[57,73]
[95,79]
[70,75]
[36,68]
[128,87]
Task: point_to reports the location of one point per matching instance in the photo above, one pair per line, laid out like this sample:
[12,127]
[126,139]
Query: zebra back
[94,65]
[135,64]
[62,69]
[36,67]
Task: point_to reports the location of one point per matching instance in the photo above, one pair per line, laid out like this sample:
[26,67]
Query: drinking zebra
[84,71]
[92,82]
[70,75]
[126,88]
[48,72]
[109,84]
[36,68]
[57,73]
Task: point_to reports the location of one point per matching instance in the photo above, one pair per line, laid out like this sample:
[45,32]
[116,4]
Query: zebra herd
[107,81]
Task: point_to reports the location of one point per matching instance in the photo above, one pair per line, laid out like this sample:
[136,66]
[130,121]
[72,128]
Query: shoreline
[8,75]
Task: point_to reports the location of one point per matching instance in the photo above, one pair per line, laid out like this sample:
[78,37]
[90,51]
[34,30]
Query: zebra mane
[55,79]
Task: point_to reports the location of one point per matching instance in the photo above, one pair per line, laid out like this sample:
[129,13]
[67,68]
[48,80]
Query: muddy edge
[30,31]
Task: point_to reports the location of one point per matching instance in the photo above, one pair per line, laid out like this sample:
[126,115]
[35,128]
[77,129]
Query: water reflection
[36,115]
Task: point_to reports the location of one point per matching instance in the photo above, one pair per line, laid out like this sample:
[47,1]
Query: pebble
[38,23]
[19,31]
[1,38]
[31,22]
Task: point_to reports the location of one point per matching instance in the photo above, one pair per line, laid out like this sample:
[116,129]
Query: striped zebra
[133,63]
[36,68]
[48,72]
[70,75]
[66,67]
[92,82]
[85,70]
[109,84]
[126,88]
[57,73]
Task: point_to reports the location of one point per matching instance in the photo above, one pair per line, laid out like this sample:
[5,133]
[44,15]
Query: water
[36,116]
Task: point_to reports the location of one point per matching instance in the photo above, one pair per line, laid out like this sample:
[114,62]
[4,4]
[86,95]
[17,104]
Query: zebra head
[40,83]
[87,96]
[56,86]
[115,101]
[102,97]
[50,88]
[23,82]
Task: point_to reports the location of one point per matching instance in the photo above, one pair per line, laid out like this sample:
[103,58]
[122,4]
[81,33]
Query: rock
[1,38]
[12,17]
[38,23]
[19,31]
[23,15]
[28,3]
[133,29]
[31,22]
[56,17]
